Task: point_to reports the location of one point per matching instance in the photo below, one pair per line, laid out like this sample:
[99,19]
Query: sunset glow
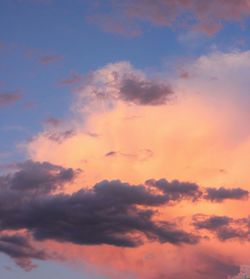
[125,139]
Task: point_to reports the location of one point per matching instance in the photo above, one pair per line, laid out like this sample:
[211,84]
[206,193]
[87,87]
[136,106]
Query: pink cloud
[206,16]
[193,138]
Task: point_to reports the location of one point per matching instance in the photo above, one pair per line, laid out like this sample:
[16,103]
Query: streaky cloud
[8,98]
[206,16]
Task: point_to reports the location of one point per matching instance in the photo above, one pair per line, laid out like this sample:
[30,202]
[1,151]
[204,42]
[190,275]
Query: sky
[125,139]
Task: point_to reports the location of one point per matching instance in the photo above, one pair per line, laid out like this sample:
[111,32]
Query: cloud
[72,79]
[108,213]
[49,59]
[141,155]
[221,194]
[60,136]
[8,98]
[35,178]
[114,24]
[144,92]
[213,222]
[204,130]
[111,212]
[213,266]
[54,122]
[19,248]
[223,227]
[204,16]
[122,82]
[111,154]
[176,190]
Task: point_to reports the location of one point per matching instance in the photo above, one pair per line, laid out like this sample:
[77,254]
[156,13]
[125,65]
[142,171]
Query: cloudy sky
[125,139]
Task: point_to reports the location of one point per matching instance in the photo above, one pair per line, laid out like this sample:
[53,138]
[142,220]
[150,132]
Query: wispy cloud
[207,16]
[49,59]
[8,98]
[74,78]
[20,248]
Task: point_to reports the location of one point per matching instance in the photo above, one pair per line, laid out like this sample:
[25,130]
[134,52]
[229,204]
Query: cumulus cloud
[106,214]
[110,212]
[204,16]
[35,178]
[144,92]
[121,81]
[193,139]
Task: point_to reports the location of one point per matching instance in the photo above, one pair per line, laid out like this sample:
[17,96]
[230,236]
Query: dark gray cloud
[221,194]
[36,178]
[144,92]
[176,190]
[106,214]
[20,249]
[223,227]
[111,212]
[8,98]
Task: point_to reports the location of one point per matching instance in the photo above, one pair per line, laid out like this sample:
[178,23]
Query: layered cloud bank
[105,177]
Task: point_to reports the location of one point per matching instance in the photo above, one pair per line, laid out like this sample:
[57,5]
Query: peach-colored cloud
[200,134]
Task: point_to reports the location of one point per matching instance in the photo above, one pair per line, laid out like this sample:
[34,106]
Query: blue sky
[44,270]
